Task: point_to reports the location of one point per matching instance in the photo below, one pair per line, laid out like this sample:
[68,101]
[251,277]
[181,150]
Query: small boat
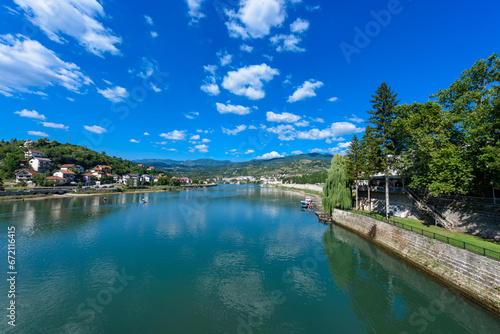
[325,220]
[143,200]
[309,200]
[304,204]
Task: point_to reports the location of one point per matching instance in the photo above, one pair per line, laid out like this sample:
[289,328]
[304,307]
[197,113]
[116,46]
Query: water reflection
[388,295]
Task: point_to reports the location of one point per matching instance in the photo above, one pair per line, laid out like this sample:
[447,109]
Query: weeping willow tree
[337,191]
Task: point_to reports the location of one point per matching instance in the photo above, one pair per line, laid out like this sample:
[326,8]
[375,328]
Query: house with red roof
[25,175]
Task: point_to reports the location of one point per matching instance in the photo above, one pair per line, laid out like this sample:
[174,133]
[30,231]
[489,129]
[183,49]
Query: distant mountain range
[294,164]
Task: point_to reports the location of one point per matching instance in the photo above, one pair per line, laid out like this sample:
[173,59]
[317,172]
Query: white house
[147,178]
[65,174]
[34,153]
[25,175]
[40,164]
[132,179]
[29,143]
[78,168]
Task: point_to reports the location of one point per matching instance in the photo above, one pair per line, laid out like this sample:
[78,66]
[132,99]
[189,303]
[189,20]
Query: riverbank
[317,197]
[473,276]
[73,195]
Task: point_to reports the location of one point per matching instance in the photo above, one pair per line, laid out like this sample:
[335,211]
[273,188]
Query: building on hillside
[33,153]
[66,174]
[29,143]
[147,178]
[151,168]
[102,168]
[23,163]
[184,180]
[117,178]
[40,164]
[140,165]
[57,180]
[26,175]
[78,168]
[131,179]
[88,178]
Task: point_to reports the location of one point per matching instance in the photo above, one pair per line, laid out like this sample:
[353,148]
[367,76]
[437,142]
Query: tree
[370,152]
[10,164]
[337,189]
[354,165]
[384,104]
[472,104]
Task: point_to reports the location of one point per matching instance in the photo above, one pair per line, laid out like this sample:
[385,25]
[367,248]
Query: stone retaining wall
[472,275]
[304,187]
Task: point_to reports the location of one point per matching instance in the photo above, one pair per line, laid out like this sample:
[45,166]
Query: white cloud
[175,135]
[210,86]
[306,90]
[232,109]
[195,10]
[270,155]
[246,48]
[37,133]
[234,132]
[297,152]
[248,81]
[71,99]
[55,125]
[30,114]
[154,34]
[205,140]
[302,123]
[287,43]
[115,94]
[192,115]
[169,149]
[318,120]
[333,99]
[195,137]
[148,68]
[224,58]
[288,132]
[74,18]
[134,141]
[313,8]
[332,150]
[356,119]
[299,26]
[284,117]
[202,148]
[146,133]
[149,20]
[249,152]
[252,127]
[25,63]
[95,129]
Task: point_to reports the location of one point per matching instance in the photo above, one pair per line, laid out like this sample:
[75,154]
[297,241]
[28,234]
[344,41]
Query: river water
[230,259]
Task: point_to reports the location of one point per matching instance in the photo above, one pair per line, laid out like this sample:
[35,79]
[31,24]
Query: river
[229,259]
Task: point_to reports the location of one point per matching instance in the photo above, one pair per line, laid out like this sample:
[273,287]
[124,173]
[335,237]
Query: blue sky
[225,79]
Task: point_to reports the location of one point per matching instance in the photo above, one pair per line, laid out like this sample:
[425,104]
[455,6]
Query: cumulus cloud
[284,117]
[175,135]
[255,18]
[134,141]
[154,34]
[302,123]
[224,58]
[355,119]
[95,129]
[334,132]
[232,109]
[297,152]
[299,26]
[210,85]
[332,150]
[55,125]
[30,114]
[37,133]
[205,140]
[246,48]
[202,148]
[115,94]
[287,43]
[333,99]
[191,115]
[270,155]
[195,137]
[194,7]
[149,20]
[75,18]
[25,64]
[249,81]
[249,152]
[146,133]
[234,132]
[306,90]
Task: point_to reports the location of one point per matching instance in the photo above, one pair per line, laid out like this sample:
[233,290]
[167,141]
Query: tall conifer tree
[384,104]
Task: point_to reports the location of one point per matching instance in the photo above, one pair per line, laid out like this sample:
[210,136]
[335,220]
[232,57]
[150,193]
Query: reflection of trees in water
[369,287]
[386,293]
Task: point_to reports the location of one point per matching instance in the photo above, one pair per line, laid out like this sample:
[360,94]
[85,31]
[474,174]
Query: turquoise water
[231,259]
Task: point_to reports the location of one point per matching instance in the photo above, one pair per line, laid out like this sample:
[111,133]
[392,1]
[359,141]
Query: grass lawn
[474,244]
